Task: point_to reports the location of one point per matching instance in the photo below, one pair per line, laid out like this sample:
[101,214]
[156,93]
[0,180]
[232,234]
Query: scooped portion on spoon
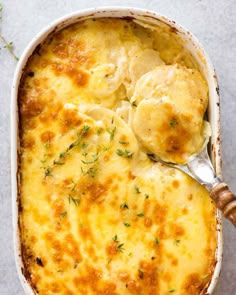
[168,121]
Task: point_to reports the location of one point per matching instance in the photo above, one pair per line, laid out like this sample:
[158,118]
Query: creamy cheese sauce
[97,215]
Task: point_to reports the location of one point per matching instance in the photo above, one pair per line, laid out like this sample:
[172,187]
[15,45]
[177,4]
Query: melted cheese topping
[97,215]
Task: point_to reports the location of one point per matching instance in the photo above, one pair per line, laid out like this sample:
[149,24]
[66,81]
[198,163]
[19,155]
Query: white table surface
[212,21]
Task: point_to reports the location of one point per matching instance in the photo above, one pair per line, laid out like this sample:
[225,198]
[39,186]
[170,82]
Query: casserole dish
[151,18]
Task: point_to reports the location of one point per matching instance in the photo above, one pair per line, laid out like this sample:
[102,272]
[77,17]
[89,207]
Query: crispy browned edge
[23,253]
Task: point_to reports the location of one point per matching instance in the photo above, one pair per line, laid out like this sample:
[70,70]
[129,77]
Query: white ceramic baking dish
[190,42]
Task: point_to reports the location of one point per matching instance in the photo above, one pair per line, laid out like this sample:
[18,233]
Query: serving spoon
[199,167]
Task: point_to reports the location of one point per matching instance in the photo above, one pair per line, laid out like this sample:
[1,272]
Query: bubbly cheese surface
[97,216]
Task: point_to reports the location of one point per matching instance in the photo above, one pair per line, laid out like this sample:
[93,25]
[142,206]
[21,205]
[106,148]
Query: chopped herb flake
[140,274]
[111,132]
[47,171]
[125,153]
[173,123]
[63,214]
[126,224]
[58,162]
[71,199]
[157,242]
[47,144]
[140,214]
[120,248]
[115,238]
[134,104]
[176,242]
[124,206]
[123,142]
[84,145]
[74,185]
[120,245]
[137,190]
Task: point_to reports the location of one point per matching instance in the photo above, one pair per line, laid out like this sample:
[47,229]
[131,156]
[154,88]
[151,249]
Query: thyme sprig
[61,159]
[7,45]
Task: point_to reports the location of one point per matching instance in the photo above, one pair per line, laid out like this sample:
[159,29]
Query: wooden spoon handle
[225,201]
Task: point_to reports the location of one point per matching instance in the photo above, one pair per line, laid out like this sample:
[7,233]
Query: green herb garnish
[95,158]
[173,123]
[91,171]
[125,153]
[63,155]
[124,206]
[120,248]
[71,199]
[126,224]
[137,190]
[84,145]
[157,242]
[176,242]
[120,245]
[47,144]
[134,104]
[8,45]
[115,238]
[47,171]
[58,162]
[111,132]
[123,142]
[63,214]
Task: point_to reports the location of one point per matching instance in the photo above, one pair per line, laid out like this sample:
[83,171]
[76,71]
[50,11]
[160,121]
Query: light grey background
[212,21]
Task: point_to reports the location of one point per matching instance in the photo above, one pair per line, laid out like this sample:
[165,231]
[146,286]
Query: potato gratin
[97,216]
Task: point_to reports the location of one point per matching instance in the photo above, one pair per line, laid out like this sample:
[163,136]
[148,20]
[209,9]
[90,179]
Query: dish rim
[67,20]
